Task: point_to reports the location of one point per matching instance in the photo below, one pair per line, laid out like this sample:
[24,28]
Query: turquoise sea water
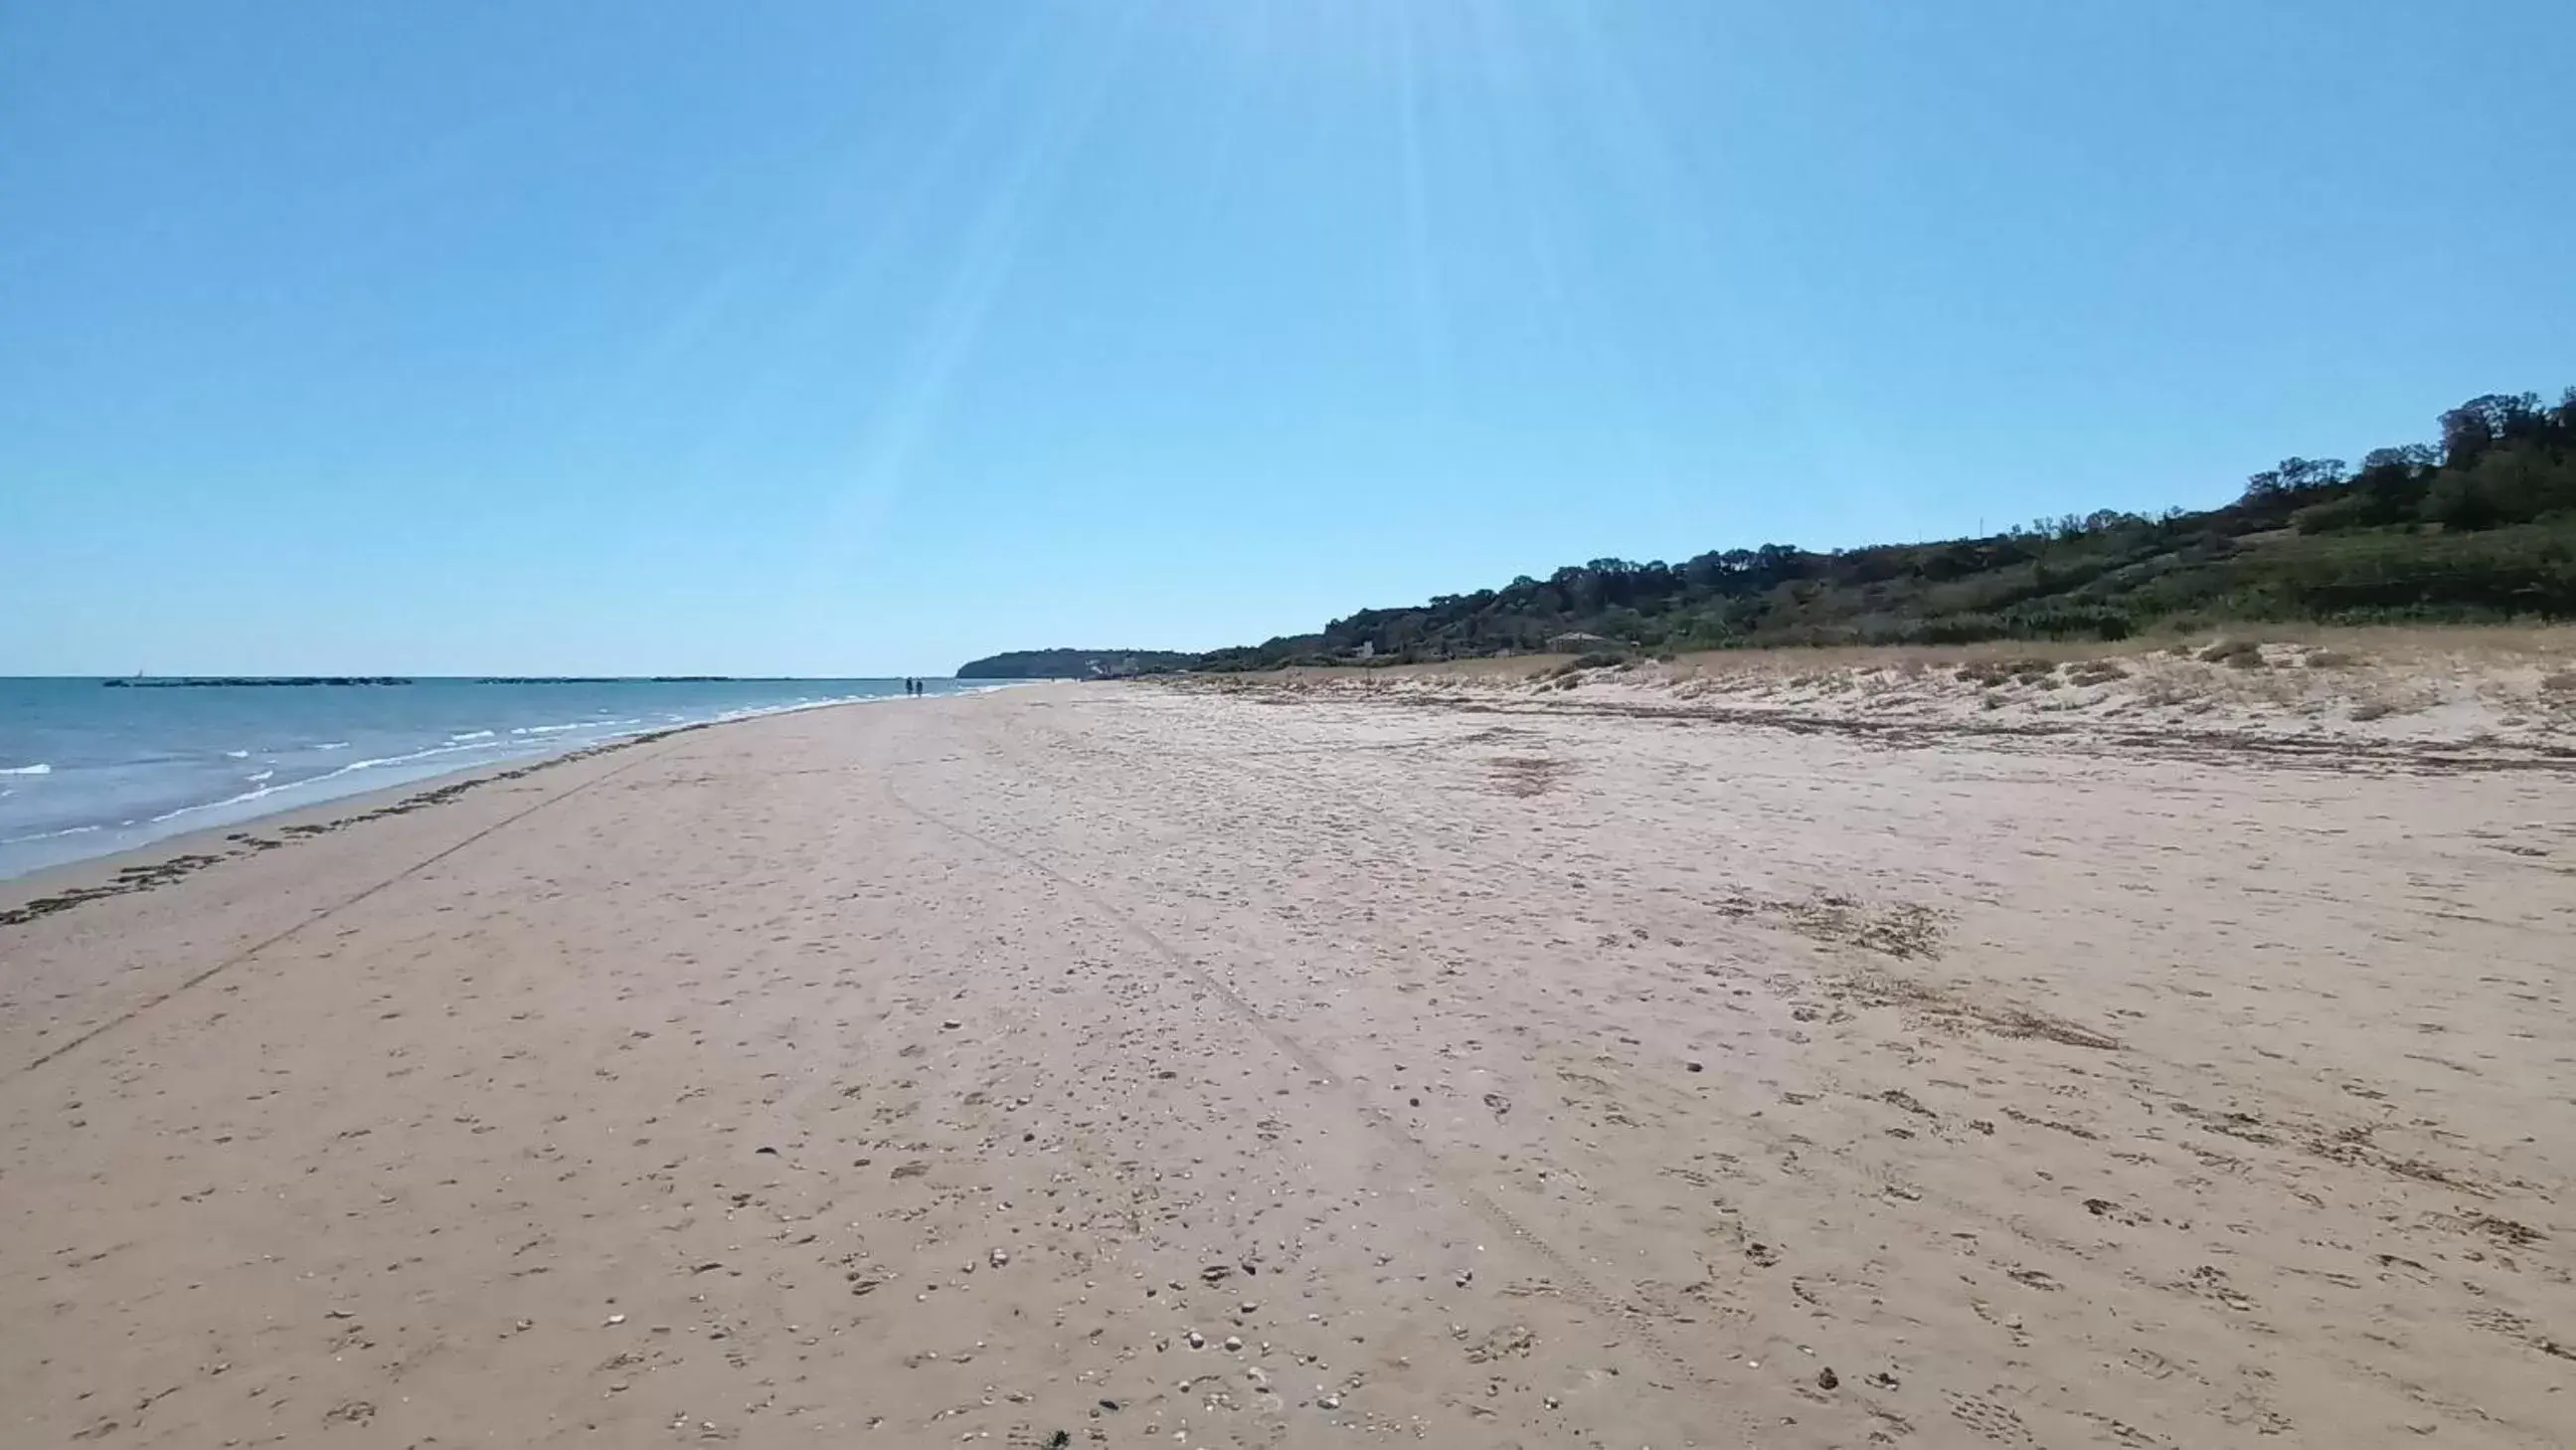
[88,770]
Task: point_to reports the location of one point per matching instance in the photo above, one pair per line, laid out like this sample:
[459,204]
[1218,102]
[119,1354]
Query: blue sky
[836,337]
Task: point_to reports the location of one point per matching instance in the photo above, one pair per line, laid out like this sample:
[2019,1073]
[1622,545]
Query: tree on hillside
[2294,476]
[2482,423]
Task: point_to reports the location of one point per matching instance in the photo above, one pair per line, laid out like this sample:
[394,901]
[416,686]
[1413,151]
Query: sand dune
[1115,1065]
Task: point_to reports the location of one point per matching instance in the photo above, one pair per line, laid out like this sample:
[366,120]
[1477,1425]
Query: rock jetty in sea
[251,682]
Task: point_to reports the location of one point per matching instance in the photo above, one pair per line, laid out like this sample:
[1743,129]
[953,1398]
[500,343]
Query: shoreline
[14,889]
[71,884]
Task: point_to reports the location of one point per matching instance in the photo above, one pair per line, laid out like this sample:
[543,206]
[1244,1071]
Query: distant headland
[1073,664]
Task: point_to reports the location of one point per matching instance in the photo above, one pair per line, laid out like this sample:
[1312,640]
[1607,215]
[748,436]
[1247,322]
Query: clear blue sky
[840,337]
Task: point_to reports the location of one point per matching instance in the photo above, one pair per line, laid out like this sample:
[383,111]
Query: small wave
[47,835]
[407,758]
[39,768]
[262,792]
[577,725]
[469,735]
[230,800]
[333,745]
[236,755]
[256,779]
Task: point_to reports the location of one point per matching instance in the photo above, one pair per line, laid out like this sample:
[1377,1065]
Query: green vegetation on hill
[2479,526]
[1072,664]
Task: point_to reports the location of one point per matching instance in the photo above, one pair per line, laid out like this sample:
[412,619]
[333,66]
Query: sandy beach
[1124,1064]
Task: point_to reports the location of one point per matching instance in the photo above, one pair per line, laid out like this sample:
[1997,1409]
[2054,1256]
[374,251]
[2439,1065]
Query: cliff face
[1072,664]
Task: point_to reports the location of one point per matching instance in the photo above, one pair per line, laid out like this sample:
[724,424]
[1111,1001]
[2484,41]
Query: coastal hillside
[1072,664]
[2477,525]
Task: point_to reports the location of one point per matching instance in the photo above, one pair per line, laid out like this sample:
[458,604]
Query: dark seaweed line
[2331,754]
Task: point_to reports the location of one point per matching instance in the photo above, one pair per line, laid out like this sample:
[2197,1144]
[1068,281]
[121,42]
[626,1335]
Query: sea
[91,768]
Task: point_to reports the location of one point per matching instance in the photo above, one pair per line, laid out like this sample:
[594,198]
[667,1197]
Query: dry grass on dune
[2449,683]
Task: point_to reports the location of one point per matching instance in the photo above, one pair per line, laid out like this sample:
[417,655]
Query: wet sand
[1114,1065]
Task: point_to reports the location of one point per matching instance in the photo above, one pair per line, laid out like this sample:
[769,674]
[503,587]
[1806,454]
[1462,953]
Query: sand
[1128,1065]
